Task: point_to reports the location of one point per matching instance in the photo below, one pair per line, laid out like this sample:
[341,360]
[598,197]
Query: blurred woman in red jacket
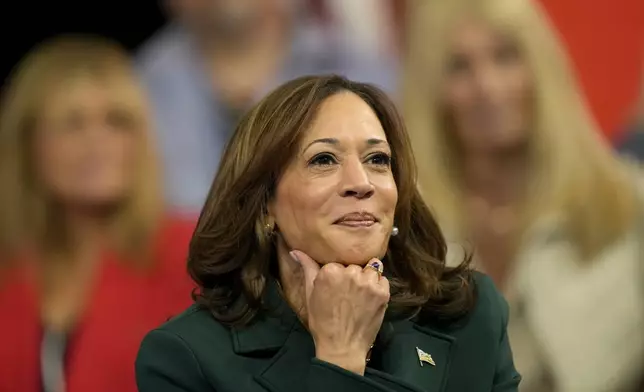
[90,262]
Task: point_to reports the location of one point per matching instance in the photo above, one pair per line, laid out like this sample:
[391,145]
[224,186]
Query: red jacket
[124,305]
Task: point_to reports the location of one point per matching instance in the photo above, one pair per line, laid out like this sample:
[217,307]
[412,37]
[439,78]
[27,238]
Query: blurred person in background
[369,25]
[513,164]
[89,261]
[214,59]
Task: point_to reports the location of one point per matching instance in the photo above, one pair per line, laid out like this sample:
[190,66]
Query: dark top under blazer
[195,353]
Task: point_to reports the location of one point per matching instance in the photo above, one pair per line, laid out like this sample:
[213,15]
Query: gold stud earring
[268,228]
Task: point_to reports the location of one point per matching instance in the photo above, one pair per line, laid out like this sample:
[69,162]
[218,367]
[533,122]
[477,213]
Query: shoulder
[188,333]
[477,345]
[195,326]
[171,352]
[487,320]
[490,306]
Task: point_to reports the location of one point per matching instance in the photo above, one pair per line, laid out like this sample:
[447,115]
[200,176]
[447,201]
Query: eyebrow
[334,141]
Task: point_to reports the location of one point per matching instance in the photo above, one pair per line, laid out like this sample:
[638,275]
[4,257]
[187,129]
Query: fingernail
[294,256]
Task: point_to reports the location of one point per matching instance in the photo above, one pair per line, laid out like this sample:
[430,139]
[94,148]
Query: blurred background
[529,115]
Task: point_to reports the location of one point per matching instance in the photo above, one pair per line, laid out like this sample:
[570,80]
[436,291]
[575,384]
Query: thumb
[310,269]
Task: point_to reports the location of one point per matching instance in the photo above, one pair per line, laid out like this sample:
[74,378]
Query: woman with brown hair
[89,262]
[320,267]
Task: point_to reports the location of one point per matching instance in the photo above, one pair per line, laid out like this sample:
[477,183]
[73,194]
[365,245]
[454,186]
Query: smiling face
[336,199]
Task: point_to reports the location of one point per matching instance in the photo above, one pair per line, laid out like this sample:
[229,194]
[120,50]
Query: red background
[606,42]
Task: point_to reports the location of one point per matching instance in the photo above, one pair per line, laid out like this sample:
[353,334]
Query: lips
[357,219]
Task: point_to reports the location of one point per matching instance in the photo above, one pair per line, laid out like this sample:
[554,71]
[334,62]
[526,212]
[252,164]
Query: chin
[359,255]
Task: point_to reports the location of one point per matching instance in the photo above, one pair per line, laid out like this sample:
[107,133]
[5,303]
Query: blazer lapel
[283,340]
[406,360]
[288,369]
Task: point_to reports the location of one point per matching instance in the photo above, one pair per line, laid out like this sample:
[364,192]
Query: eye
[380,159]
[506,54]
[74,122]
[121,120]
[323,159]
[458,63]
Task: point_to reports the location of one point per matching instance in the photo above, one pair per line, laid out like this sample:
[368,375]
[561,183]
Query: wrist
[351,361]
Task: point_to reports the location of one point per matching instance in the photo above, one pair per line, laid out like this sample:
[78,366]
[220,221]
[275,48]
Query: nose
[486,80]
[355,180]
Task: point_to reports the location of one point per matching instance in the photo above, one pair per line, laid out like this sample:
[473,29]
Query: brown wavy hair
[230,256]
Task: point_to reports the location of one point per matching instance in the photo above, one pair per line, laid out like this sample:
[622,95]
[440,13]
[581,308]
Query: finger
[353,270]
[310,269]
[383,284]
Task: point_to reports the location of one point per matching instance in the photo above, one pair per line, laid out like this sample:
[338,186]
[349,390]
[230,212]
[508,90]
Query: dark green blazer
[195,353]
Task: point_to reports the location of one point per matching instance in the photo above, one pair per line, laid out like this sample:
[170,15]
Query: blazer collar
[272,328]
[395,360]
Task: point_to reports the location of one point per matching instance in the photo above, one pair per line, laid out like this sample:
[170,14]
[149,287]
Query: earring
[394,231]
[268,228]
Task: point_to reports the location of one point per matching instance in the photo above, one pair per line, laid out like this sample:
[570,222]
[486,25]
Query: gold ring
[376,266]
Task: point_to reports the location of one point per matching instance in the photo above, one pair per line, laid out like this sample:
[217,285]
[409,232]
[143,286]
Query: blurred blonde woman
[514,165]
[89,260]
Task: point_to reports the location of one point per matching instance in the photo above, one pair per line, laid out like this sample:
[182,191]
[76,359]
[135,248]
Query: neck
[291,280]
[82,232]
[495,178]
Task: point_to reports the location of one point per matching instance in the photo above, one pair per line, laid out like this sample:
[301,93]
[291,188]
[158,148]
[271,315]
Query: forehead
[91,92]
[475,32]
[345,116]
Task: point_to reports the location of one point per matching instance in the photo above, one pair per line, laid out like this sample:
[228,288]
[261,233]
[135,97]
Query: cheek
[297,206]
[519,98]
[389,194]
[53,159]
[524,90]
[458,96]
[459,100]
[300,208]
[124,152]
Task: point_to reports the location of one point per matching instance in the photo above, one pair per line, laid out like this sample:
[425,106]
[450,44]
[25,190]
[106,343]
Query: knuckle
[331,268]
[354,270]
[327,272]
[383,296]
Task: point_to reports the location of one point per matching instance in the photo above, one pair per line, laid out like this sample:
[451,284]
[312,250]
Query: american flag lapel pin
[424,357]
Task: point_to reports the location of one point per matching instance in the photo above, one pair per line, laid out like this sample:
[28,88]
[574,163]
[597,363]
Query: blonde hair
[26,216]
[572,172]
